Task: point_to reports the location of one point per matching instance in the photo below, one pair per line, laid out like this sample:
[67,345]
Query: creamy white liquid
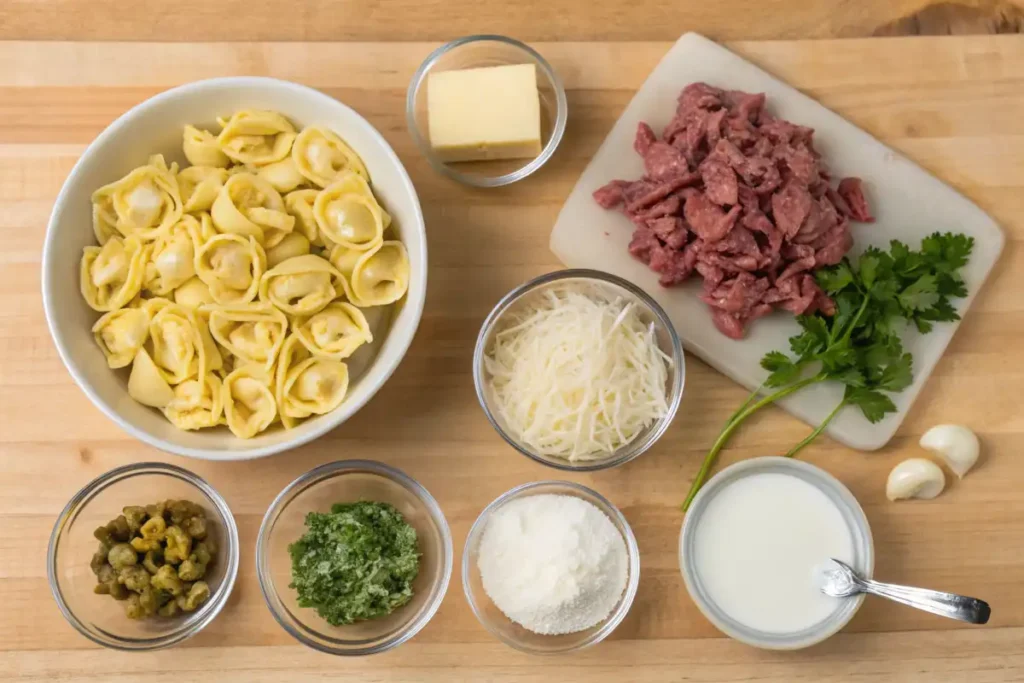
[759,547]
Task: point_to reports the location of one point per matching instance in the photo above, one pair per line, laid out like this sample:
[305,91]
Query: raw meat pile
[742,198]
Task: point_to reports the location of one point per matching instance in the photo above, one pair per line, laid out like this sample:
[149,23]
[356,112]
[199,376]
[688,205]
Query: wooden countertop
[956,105]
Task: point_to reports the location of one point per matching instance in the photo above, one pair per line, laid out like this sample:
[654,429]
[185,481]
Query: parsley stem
[733,423]
[818,430]
[750,399]
[856,319]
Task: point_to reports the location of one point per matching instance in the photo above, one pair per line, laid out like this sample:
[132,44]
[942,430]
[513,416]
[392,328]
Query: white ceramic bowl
[156,126]
[849,508]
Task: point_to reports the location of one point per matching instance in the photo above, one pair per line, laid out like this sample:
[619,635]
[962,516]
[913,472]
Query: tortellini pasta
[248,205]
[231,266]
[282,175]
[171,259]
[299,203]
[312,387]
[320,155]
[348,216]
[293,244]
[121,333]
[335,332]
[199,187]
[146,202]
[256,137]
[230,289]
[301,285]
[381,276]
[196,404]
[249,404]
[111,275]
[253,333]
[202,149]
[180,350]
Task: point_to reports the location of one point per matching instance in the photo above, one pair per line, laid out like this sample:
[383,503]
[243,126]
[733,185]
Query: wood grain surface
[955,105]
[403,20]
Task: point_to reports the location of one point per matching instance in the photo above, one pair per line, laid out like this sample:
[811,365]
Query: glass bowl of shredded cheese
[579,370]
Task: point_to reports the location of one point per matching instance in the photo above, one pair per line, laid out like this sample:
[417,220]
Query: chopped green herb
[860,346]
[355,563]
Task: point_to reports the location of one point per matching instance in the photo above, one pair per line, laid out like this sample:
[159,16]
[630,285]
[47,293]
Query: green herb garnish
[860,346]
[357,562]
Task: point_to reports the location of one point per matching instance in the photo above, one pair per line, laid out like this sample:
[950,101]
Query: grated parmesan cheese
[576,375]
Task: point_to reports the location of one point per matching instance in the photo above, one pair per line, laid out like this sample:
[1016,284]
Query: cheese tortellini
[302,285]
[144,203]
[230,288]
[335,332]
[249,405]
[320,155]
[112,275]
[347,214]
[231,266]
[256,137]
[253,333]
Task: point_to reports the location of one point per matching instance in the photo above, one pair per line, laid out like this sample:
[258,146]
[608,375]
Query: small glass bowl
[100,618]
[511,633]
[480,51]
[607,284]
[350,481]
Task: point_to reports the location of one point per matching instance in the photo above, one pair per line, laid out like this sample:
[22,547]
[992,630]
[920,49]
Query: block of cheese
[485,113]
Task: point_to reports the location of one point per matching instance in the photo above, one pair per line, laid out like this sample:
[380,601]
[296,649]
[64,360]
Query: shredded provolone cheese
[576,375]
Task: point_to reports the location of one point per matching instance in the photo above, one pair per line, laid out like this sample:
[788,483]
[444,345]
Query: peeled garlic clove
[957,446]
[915,478]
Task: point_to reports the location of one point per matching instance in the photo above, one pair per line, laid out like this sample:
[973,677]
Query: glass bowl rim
[217,601]
[678,372]
[612,621]
[331,470]
[561,112]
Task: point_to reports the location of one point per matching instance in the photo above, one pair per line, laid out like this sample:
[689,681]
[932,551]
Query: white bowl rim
[326,422]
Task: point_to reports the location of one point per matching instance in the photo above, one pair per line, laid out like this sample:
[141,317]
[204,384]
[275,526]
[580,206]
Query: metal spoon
[842,581]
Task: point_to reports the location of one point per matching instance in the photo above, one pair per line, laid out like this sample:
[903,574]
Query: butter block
[484,113]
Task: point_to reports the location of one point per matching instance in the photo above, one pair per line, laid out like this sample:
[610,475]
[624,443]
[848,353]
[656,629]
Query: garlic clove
[915,478]
[957,445]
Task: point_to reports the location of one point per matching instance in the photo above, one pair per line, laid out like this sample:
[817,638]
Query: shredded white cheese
[576,375]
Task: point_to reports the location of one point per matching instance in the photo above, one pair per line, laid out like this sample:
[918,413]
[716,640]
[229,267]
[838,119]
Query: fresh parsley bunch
[860,345]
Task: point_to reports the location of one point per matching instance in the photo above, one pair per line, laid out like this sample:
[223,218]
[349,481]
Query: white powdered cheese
[576,375]
[553,563]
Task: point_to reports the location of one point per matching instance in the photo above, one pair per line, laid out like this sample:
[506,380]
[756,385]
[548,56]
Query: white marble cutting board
[906,200]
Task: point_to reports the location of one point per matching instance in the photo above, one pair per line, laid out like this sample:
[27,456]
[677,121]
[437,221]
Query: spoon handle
[951,605]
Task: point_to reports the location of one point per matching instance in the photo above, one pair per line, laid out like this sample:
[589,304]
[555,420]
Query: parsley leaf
[947,251]
[868,264]
[836,278]
[813,339]
[874,404]
[851,377]
[898,374]
[922,293]
[783,370]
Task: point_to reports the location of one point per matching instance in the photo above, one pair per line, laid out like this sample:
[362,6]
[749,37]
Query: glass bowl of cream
[754,545]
